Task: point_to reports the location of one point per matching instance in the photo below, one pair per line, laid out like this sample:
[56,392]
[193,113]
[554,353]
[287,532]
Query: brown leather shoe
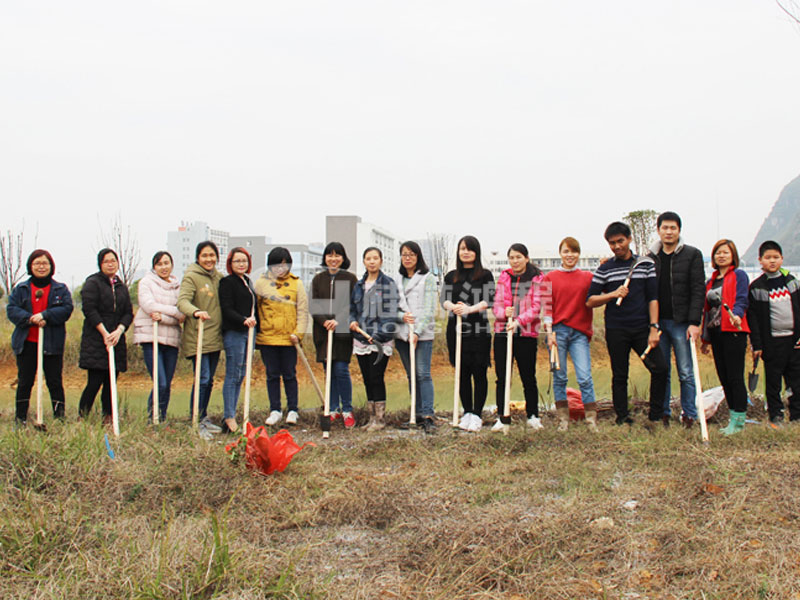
[687,422]
[665,421]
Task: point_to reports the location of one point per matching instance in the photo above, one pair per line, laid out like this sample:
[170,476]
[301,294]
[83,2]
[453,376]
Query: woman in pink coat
[517,297]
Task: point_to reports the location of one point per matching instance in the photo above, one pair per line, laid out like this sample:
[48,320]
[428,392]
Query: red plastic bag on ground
[574,399]
[266,454]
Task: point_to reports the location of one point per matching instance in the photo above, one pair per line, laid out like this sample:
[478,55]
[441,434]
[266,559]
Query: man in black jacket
[681,294]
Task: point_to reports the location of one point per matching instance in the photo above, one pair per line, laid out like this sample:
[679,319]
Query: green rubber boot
[736,423]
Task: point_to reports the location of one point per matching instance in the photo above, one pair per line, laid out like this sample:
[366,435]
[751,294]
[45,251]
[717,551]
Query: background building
[357,235]
[497,262]
[306,260]
[182,243]
[257,246]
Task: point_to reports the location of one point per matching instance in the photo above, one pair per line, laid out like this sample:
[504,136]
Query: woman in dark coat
[107,315]
[330,309]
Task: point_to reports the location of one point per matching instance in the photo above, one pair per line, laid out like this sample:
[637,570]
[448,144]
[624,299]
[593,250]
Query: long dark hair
[159,255]
[472,243]
[414,248]
[531,269]
[336,248]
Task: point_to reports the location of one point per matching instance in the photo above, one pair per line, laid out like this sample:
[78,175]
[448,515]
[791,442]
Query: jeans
[235,344]
[673,335]
[422,356]
[280,361]
[167,361]
[52,365]
[341,386]
[208,366]
[524,351]
[620,342]
[373,375]
[576,344]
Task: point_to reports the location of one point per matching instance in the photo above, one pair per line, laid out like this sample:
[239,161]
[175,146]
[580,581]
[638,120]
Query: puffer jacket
[58,311]
[376,309]
[111,306]
[419,296]
[282,309]
[526,295]
[158,295]
[200,291]
[688,281]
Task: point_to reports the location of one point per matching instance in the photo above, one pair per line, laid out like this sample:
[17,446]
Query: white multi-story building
[497,262]
[182,244]
[356,236]
[306,260]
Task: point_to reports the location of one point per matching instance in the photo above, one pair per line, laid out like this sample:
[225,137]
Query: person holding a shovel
[516,310]
[283,310]
[626,285]
[158,302]
[107,315]
[467,293]
[373,319]
[237,301]
[39,306]
[198,299]
[330,309]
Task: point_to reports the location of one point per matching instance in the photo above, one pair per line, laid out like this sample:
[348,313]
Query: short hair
[413,246]
[36,254]
[229,261]
[521,248]
[336,248]
[279,255]
[571,243]
[734,253]
[203,245]
[161,254]
[668,216]
[370,249]
[769,245]
[102,254]
[617,228]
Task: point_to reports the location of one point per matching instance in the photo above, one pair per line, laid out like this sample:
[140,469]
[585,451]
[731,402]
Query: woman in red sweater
[570,324]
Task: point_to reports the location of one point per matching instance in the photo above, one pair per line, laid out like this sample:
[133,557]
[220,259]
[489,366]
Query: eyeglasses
[404,255]
[40,263]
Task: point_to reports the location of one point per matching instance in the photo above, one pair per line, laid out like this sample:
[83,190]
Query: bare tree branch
[791,8]
[643,226]
[11,258]
[442,248]
[122,239]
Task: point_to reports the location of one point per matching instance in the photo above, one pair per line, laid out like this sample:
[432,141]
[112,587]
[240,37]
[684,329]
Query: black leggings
[373,375]
[729,349]
[26,376]
[473,370]
[524,350]
[96,378]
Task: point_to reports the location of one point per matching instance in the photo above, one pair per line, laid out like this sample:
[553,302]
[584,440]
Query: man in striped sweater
[633,323]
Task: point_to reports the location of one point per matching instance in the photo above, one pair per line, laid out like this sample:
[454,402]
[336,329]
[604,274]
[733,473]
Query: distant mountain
[782,225]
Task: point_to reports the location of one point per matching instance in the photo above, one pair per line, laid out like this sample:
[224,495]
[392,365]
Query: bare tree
[643,226]
[791,8]
[11,262]
[442,251]
[121,239]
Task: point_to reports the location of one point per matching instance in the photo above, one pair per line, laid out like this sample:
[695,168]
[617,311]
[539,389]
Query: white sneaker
[274,417]
[499,426]
[291,417]
[465,421]
[476,423]
[210,427]
[204,433]
[535,422]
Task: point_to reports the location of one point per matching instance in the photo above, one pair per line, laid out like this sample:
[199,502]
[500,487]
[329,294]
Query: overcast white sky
[514,121]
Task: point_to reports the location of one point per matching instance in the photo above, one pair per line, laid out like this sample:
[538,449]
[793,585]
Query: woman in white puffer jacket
[158,299]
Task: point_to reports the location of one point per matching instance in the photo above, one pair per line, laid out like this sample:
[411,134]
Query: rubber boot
[591,415]
[562,409]
[735,424]
[370,426]
[380,415]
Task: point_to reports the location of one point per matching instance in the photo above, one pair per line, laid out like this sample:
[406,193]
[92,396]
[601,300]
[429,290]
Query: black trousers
[620,342]
[524,350]
[729,350]
[373,375]
[473,372]
[26,376]
[95,379]
[783,364]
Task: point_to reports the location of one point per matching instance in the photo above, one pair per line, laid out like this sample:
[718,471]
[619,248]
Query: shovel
[412,353]
[156,407]
[731,315]
[39,371]
[505,418]
[197,366]
[248,376]
[752,378]
[112,375]
[325,418]
[371,340]
[698,400]
[457,378]
[639,261]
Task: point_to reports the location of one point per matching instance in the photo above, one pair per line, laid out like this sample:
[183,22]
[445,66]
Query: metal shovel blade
[752,378]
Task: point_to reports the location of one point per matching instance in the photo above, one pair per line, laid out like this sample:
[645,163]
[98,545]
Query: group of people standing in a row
[661,300]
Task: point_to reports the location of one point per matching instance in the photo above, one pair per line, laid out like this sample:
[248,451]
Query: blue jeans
[575,343]
[167,361]
[280,361]
[673,336]
[235,344]
[208,366]
[341,386]
[424,351]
